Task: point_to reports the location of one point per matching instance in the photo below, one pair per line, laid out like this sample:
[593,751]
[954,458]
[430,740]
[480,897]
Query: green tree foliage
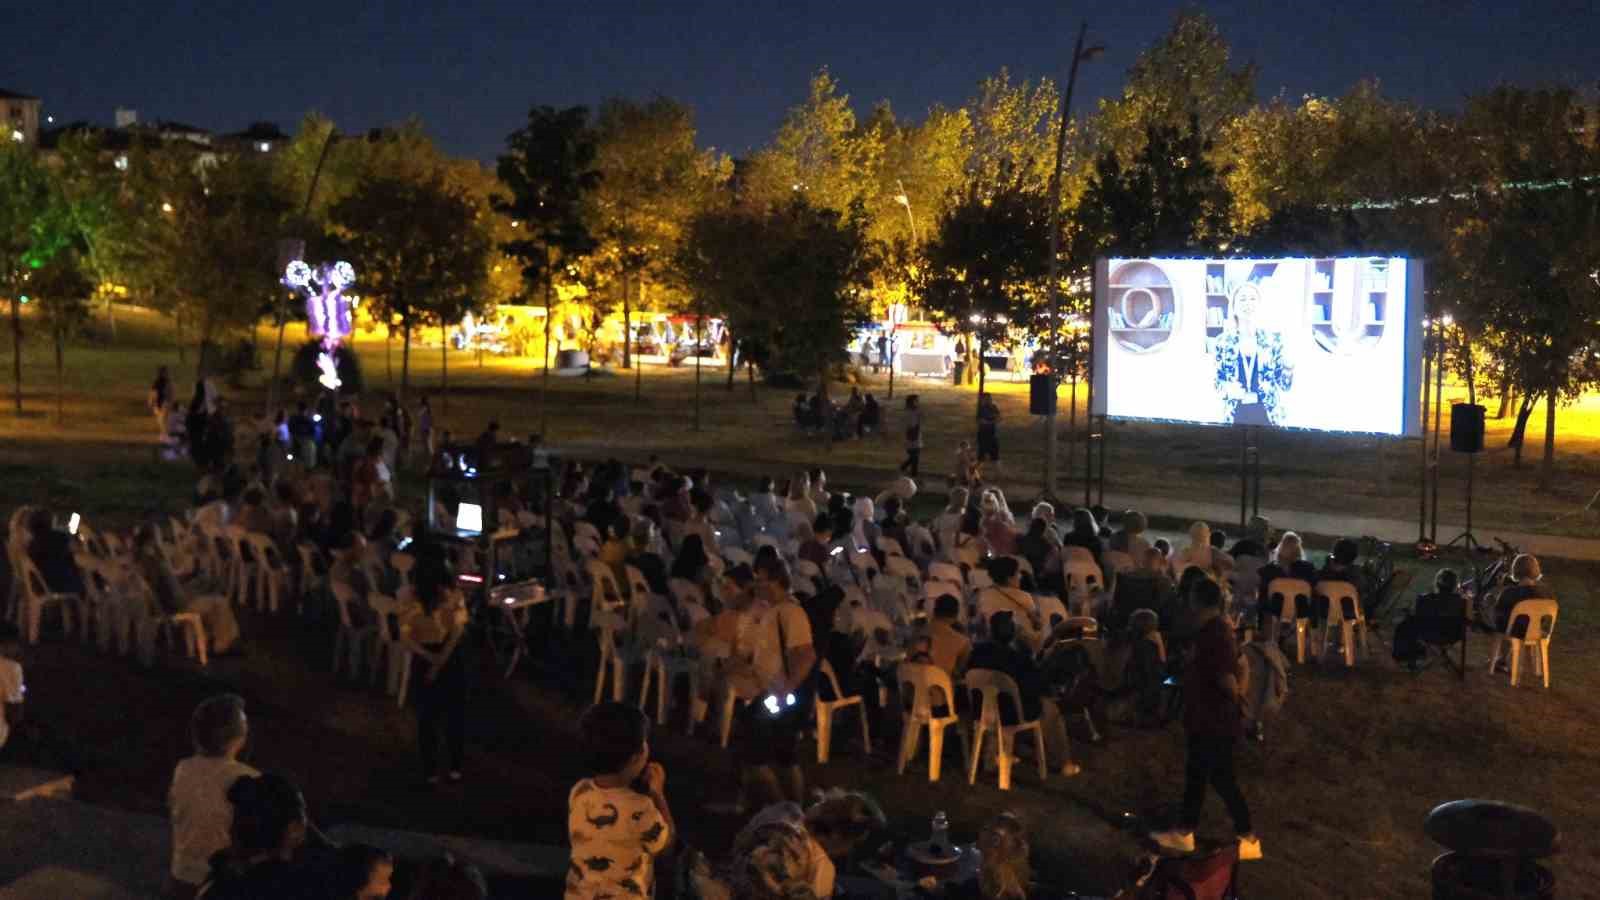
[985,271]
[1011,139]
[60,291]
[548,172]
[1170,199]
[818,151]
[653,177]
[420,249]
[31,233]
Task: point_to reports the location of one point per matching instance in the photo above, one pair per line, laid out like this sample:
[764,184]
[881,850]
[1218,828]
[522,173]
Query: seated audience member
[1288,561]
[692,564]
[1266,683]
[819,488]
[1085,533]
[269,828]
[815,549]
[674,499]
[1201,554]
[1165,546]
[614,552]
[968,547]
[1005,873]
[871,416]
[1039,550]
[1439,618]
[1046,512]
[765,503]
[834,826]
[799,504]
[948,521]
[893,523]
[616,830]
[197,800]
[943,638]
[253,515]
[642,556]
[13,691]
[1341,563]
[699,522]
[1147,666]
[1254,541]
[1007,595]
[1130,538]
[1147,587]
[1002,653]
[51,551]
[864,533]
[172,596]
[999,534]
[1527,574]
[360,872]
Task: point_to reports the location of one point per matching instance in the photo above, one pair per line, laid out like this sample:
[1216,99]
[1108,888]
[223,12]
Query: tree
[549,172]
[420,250]
[61,292]
[98,209]
[33,229]
[652,179]
[1011,138]
[717,266]
[1184,79]
[1170,199]
[985,271]
[818,151]
[1525,244]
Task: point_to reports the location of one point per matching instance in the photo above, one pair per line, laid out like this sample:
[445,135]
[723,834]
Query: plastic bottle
[939,841]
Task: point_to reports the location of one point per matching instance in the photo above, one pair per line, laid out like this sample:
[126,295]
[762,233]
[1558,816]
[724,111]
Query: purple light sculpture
[327,310]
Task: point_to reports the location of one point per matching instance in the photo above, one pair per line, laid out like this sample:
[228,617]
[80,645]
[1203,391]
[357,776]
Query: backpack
[1268,680]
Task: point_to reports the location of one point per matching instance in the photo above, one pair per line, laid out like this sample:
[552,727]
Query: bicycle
[1482,587]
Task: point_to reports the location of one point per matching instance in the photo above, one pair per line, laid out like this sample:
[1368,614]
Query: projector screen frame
[1412,424]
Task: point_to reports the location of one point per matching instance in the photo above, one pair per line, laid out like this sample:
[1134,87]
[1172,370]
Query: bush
[304,368]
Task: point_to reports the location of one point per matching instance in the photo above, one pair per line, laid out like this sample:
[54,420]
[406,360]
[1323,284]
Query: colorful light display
[327,310]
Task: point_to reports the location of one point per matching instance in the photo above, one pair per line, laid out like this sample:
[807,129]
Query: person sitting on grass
[1003,652]
[1266,683]
[834,826]
[1005,873]
[172,596]
[1438,618]
[268,832]
[197,800]
[617,821]
[1147,666]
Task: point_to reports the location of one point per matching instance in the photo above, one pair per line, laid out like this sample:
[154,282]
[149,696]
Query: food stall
[922,349]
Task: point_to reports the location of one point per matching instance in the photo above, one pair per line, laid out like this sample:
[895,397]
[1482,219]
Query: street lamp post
[1080,53]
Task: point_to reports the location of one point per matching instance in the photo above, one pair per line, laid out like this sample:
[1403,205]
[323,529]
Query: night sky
[471,69]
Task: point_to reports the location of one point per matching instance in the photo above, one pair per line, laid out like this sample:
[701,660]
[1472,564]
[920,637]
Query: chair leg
[1544,662]
[663,691]
[1003,757]
[1301,630]
[1038,751]
[728,703]
[935,750]
[1347,633]
[600,676]
[866,734]
[973,758]
[1516,660]
[824,732]
[910,736]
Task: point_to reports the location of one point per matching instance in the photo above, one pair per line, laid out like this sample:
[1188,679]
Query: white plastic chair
[606,594]
[260,559]
[396,655]
[313,574]
[923,689]
[943,571]
[1052,611]
[351,644]
[888,546]
[35,595]
[1084,579]
[991,686]
[1290,591]
[1344,614]
[609,629]
[736,556]
[922,549]
[188,627]
[1540,619]
[826,708]
[1118,561]
[664,662]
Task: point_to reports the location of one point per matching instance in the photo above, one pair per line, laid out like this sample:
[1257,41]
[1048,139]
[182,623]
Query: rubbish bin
[1493,851]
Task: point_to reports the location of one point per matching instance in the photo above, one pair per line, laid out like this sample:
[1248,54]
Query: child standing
[617,819]
[198,800]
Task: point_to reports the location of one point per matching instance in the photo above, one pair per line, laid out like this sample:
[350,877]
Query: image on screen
[469,518]
[1330,344]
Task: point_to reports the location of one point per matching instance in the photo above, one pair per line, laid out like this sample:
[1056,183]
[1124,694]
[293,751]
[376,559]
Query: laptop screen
[469,517]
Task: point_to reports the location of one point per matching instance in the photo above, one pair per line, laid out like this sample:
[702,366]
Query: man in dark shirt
[1438,618]
[1213,718]
[647,561]
[1254,542]
[1001,654]
[988,430]
[815,550]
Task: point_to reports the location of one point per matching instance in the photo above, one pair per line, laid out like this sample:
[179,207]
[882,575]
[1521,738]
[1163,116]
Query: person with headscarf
[1085,533]
[865,532]
[691,562]
[799,504]
[1201,554]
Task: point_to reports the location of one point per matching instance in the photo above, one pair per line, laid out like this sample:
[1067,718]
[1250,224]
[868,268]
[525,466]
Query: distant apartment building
[20,113]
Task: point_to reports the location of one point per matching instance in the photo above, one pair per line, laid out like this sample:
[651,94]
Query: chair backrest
[1117,560]
[264,551]
[890,547]
[1081,572]
[738,556]
[586,546]
[901,567]
[607,593]
[921,540]
[1540,616]
[587,530]
[992,685]
[402,563]
[1286,590]
[805,568]
[1051,610]
[804,587]
[832,680]
[943,571]
[1023,566]
[638,588]
[1342,597]
[1074,552]
[979,580]
[343,597]
[922,687]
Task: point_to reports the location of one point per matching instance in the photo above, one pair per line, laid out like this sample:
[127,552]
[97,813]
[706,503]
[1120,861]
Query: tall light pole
[1080,53]
[904,199]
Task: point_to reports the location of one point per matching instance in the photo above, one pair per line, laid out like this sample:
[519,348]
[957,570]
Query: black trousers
[912,462]
[442,712]
[1210,763]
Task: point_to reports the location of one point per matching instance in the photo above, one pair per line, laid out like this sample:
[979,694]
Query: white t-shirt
[616,834]
[11,691]
[764,638]
[201,813]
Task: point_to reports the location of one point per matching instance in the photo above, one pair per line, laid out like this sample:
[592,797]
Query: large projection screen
[1327,343]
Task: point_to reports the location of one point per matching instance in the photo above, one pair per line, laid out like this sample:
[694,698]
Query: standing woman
[913,437]
[435,634]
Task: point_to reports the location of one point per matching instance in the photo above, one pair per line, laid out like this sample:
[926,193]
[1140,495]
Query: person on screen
[1252,372]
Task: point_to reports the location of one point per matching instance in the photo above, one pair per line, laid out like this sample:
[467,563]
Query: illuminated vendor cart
[490,508]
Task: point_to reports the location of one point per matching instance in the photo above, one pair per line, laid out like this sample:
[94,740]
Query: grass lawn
[1339,791]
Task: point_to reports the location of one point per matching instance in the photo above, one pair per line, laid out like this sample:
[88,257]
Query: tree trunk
[544,381]
[699,338]
[1519,431]
[405,357]
[1505,398]
[111,315]
[627,327]
[60,379]
[827,409]
[444,374]
[1547,467]
[183,354]
[733,353]
[1072,428]
[982,373]
[750,373]
[16,351]
[277,360]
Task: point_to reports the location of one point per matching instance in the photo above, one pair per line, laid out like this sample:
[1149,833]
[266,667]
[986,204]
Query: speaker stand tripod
[1467,540]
